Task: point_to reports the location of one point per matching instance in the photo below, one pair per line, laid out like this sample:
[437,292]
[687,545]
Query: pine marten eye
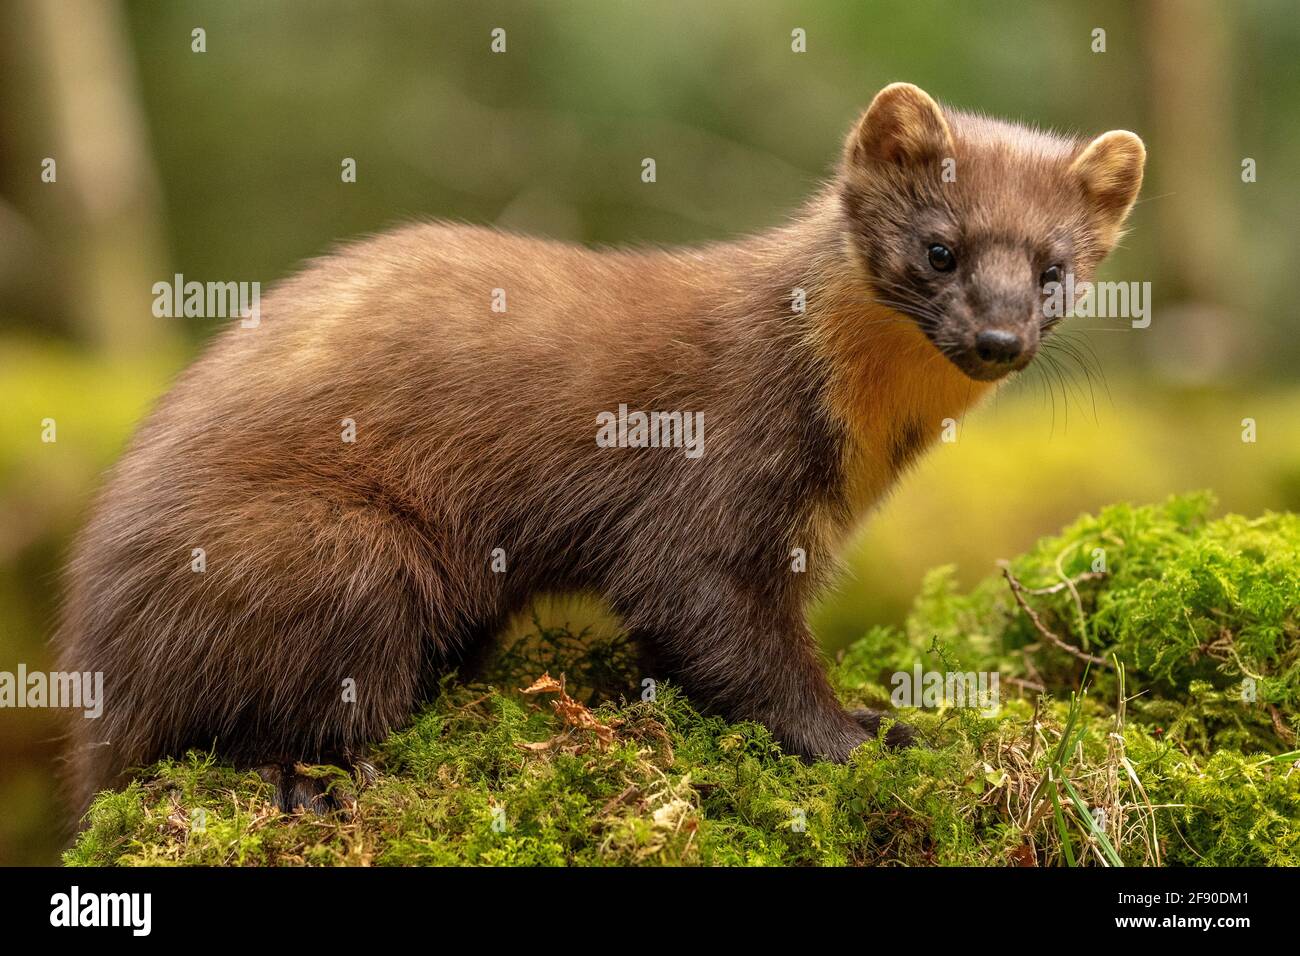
[1050,274]
[942,258]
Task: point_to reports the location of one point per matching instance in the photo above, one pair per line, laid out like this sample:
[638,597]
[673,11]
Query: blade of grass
[1067,844]
[1091,823]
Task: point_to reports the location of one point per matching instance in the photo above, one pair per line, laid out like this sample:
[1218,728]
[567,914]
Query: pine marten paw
[318,790]
[897,736]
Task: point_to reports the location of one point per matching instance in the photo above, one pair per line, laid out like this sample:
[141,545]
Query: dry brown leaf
[572,712]
[1023,855]
[544,684]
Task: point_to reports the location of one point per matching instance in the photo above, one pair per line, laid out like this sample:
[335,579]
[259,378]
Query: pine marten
[477,370]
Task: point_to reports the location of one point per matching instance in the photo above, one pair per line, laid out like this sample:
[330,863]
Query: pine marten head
[961,221]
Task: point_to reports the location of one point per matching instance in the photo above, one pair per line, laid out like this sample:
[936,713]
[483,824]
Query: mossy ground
[1180,748]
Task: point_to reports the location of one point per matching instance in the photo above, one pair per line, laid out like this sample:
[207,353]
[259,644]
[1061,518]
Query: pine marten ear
[1110,169]
[902,126]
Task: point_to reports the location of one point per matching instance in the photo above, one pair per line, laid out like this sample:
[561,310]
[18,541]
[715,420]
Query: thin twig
[1016,589]
[1279,727]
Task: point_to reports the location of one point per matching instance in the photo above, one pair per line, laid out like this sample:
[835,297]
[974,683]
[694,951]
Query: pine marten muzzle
[819,360]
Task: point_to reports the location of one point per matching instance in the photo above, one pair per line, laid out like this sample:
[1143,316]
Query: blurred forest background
[225,165]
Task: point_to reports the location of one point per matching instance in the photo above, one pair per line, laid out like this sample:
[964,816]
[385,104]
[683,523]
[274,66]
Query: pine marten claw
[295,790]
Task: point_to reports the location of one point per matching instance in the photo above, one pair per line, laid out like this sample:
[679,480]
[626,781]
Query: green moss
[1206,614]
[1162,758]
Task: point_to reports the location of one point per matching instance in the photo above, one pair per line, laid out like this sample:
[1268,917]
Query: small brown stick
[1279,726]
[1016,589]
[615,801]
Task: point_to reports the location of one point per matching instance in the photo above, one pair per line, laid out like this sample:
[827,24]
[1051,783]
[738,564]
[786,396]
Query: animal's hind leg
[308,645]
[298,789]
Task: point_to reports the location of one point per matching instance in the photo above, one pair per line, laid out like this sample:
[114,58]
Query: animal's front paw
[897,736]
[316,789]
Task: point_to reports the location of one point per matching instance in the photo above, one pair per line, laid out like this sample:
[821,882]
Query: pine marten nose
[998,346]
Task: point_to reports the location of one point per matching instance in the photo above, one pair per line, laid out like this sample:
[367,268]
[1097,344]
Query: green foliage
[1205,613]
[1152,757]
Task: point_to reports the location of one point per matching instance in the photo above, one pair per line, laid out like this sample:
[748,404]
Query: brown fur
[475,431]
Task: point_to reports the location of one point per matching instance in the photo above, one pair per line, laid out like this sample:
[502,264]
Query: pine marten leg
[294,790]
[297,790]
[748,659]
[313,630]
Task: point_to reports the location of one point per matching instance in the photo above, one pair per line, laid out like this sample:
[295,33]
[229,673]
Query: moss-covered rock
[1149,682]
